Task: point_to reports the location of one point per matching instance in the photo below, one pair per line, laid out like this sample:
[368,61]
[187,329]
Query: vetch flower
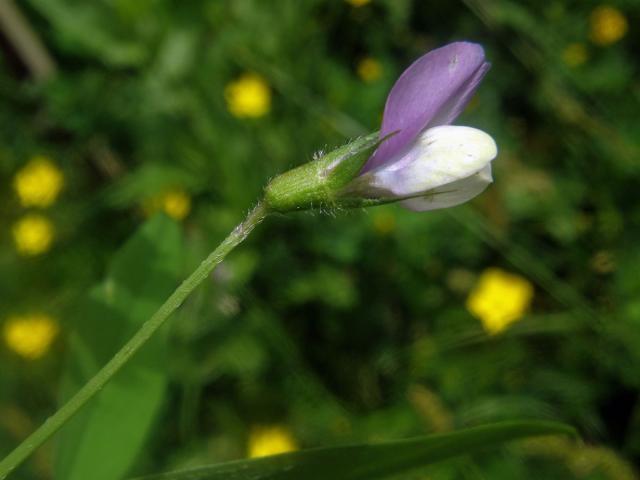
[499,298]
[38,183]
[33,234]
[270,440]
[417,158]
[427,162]
[30,336]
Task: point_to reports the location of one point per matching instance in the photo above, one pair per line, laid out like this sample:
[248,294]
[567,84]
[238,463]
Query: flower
[427,163]
[417,158]
[499,298]
[30,336]
[33,234]
[270,440]
[248,97]
[608,25]
[358,3]
[575,54]
[38,183]
[175,202]
[369,69]
[384,222]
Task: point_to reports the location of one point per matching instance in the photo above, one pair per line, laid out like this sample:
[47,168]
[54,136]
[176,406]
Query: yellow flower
[33,234]
[358,3]
[384,222]
[499,298]
[575,54]
[30,336]
[38,183]
[176,204]
[608,25]
[369,69]
[270,440]
[248,96]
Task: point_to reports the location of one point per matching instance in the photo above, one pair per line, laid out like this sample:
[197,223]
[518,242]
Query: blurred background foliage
[320,330]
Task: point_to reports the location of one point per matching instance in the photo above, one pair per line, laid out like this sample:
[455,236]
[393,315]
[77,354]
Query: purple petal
[454,107]
[431,92]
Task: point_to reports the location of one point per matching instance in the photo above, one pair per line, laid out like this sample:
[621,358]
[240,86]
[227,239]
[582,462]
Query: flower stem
[93,386]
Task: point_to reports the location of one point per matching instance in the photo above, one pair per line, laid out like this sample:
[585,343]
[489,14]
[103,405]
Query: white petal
[453,193]
[441,155]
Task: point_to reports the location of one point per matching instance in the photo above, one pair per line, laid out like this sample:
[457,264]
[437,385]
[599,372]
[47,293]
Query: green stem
[93,386]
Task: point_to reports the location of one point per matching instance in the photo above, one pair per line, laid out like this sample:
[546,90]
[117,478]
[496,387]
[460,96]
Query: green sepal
[317,184]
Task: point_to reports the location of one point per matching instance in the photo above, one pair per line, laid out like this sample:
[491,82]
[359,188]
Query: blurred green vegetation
[337,328]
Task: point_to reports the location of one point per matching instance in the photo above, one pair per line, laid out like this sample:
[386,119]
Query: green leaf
[104,439]
[369,462]
[92,30]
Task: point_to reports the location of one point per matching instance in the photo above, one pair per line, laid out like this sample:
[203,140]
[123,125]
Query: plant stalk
[93,386]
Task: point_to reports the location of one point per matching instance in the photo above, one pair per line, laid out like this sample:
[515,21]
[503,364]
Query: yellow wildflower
[575,54]
[608,25]
[176,203]
[358,3]
[369,69]
[30,336]
[38,183]
[33,234]
[248,96]
[270,440]
[384,222]
[499,298]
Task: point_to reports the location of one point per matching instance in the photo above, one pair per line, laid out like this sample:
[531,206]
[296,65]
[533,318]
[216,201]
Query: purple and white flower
[426,163]
[417,158]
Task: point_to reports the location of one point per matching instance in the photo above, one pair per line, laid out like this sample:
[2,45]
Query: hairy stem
[93,386]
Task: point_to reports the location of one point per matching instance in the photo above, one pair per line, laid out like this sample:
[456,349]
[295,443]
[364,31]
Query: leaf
[104,439]
[369,462]
[92,30]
